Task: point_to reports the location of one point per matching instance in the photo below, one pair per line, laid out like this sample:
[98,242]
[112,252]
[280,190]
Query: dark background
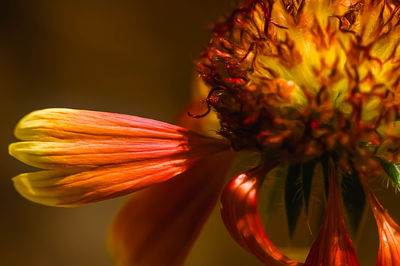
[133,57]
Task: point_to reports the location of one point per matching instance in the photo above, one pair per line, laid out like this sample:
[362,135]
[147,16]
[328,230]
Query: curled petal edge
[389,233]
[241,217]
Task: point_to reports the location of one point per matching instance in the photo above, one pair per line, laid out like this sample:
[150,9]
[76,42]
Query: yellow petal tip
[23,185]
[38,119]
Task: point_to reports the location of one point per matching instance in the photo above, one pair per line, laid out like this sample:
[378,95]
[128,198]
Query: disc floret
[306,78]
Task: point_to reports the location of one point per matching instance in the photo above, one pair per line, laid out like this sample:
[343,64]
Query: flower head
[306,84]
[303,78]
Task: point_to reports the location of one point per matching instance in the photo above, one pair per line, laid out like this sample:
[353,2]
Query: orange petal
[60,124]
[97,155]
[333,246]
[59,138]
[389,234]
[93,153]
[240,215]
[69,188]
[157,226]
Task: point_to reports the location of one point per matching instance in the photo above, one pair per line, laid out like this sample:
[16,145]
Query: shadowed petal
[240,215]
[157,226]
[96,155]
[333,246]
[389,234]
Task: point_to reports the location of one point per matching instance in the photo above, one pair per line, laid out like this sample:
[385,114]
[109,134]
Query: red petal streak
[389,234]
[333,246]
[158,225]
[240,215]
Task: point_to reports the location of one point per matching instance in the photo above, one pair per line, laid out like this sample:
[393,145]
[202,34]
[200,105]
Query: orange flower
[309,84]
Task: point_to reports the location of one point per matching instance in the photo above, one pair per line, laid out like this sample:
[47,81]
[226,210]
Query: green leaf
[307,177]
[353,198]
[325,170]
[272,190]
[293,196]
[391,169]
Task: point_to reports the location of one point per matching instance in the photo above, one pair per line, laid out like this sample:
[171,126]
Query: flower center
[305,78]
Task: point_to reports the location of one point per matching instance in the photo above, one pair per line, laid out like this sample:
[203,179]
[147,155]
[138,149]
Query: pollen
[305,78]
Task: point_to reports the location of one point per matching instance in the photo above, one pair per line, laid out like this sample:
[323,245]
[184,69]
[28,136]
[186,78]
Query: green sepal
[325,171]
[273,189]
[353,198]
[293,196]
[307,177]
[391,169]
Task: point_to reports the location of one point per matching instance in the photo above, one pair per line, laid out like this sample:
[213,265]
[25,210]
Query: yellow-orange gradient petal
[240,215]
[92,153]
[94,156]
[389,233]
[60,124]
[157,226]
[333,246]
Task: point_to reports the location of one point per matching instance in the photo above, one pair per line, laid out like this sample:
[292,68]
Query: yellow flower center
[308,77]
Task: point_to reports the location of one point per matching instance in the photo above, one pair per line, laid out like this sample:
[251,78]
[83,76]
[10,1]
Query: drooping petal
[157,226]
[333,246]
[240,215]
[389,233]
[95,155]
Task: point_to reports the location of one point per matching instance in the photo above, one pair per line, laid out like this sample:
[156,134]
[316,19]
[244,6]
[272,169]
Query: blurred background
[133,57]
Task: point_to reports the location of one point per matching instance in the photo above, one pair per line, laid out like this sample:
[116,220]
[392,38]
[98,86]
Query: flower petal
[60,138]
[59,124]
[157,226]
[69,188]
[389,234]
[240,215]
[333,245]
[96,155]
[92,153]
